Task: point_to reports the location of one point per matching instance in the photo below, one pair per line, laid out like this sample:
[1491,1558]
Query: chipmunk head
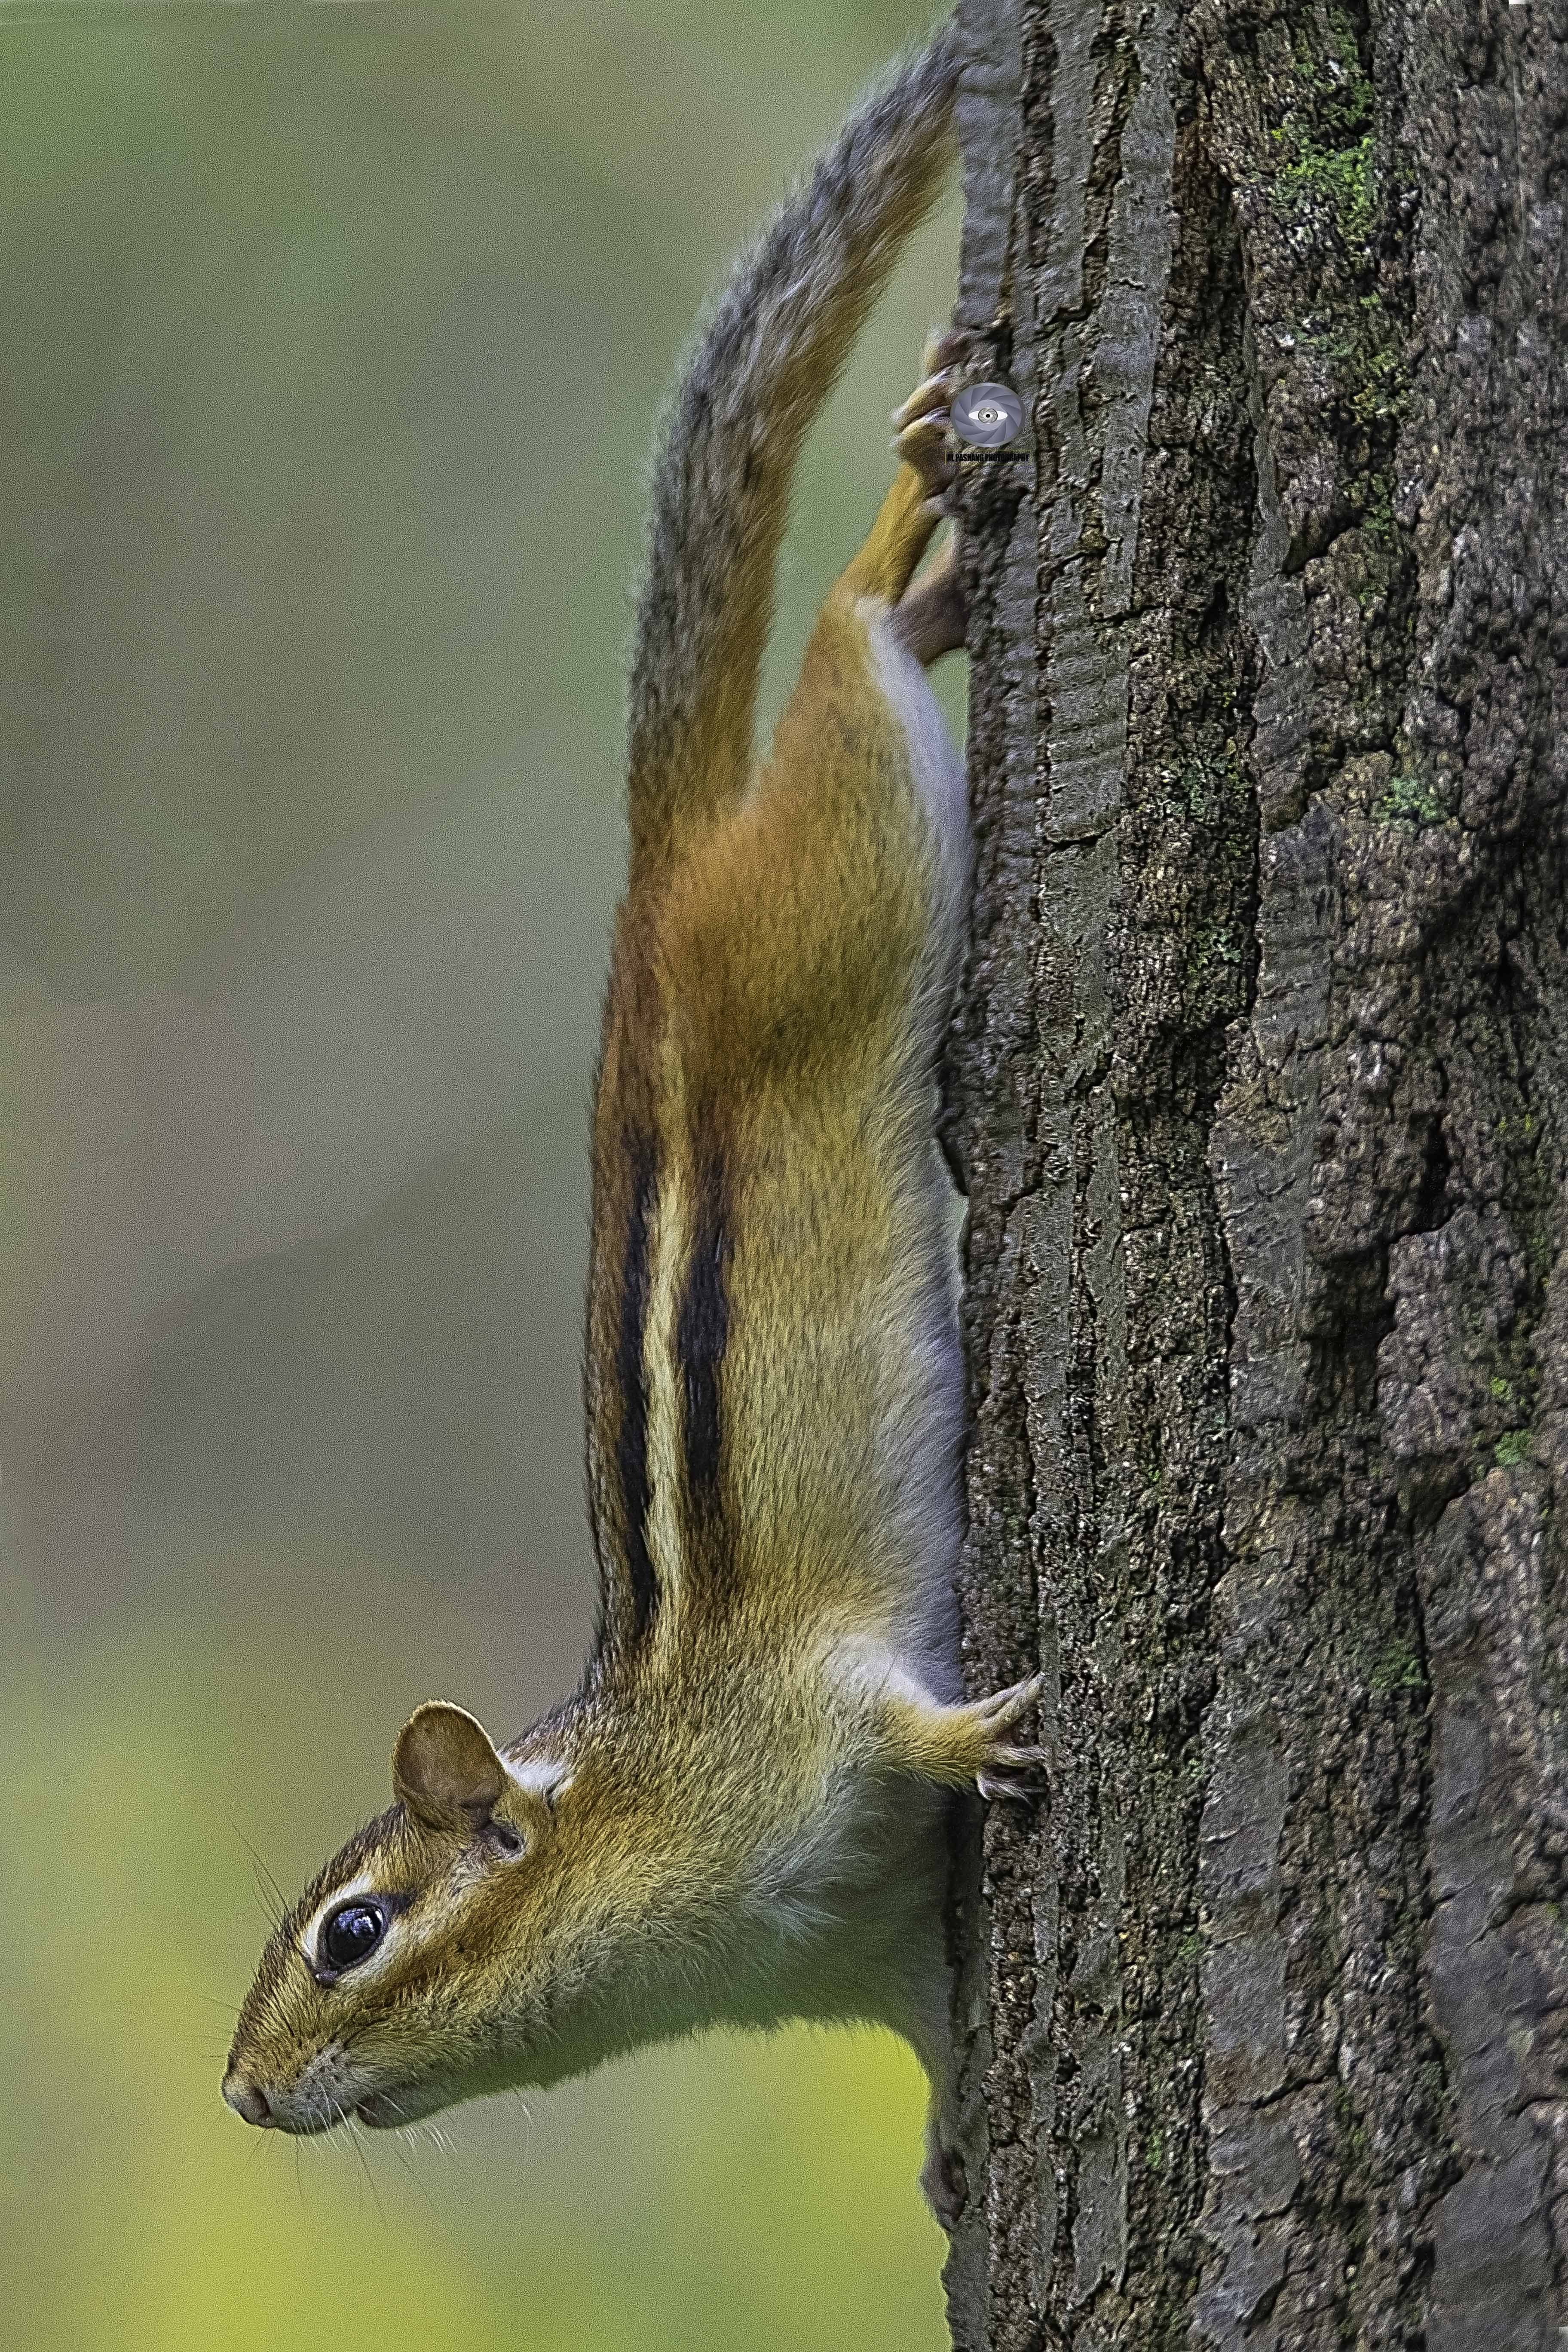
[437,1956]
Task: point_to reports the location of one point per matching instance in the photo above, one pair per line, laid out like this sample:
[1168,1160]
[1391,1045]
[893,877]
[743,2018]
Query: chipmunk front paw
[963,1744]
[1018,1774]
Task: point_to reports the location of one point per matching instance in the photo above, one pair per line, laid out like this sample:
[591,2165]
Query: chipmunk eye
[350,1934]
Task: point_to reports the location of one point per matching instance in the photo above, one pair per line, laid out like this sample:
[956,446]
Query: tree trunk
[1258,1082]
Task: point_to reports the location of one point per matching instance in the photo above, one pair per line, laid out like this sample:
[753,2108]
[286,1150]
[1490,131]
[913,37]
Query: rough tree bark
[1259,1084]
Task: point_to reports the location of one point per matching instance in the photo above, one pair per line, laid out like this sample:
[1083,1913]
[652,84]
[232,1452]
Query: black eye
[351,1934]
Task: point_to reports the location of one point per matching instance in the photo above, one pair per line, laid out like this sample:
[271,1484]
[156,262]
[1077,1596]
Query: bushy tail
[764,364]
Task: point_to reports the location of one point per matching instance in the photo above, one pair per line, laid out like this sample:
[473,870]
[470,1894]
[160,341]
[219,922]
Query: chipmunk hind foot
[916,501]
[922,425]
[932,617]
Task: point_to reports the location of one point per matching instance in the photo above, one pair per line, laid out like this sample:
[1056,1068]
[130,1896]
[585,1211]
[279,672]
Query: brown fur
[742,1813]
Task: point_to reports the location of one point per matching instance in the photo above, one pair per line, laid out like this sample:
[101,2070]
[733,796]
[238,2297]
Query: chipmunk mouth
[381,2111]
[384,2110]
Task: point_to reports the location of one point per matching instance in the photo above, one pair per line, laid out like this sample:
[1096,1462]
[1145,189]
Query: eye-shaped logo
[987,415]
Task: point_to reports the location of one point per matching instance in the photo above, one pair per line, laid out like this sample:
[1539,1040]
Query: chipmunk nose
[247,2100]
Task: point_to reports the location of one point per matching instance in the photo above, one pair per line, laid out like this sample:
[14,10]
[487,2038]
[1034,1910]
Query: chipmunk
[742,1816]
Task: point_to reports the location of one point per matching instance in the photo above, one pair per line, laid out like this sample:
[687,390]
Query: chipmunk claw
[922,425]
[1016,1773]
[1003,1708]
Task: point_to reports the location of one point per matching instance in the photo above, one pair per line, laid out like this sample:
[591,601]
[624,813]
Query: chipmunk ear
[445,1770]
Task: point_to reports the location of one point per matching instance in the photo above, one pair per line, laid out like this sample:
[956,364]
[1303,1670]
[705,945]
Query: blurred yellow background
[334,338]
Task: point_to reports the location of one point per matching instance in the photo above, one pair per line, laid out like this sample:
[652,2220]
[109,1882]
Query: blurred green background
[334,337]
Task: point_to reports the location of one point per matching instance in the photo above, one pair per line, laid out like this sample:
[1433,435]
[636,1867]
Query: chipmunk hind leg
[929,616]
[852,847]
